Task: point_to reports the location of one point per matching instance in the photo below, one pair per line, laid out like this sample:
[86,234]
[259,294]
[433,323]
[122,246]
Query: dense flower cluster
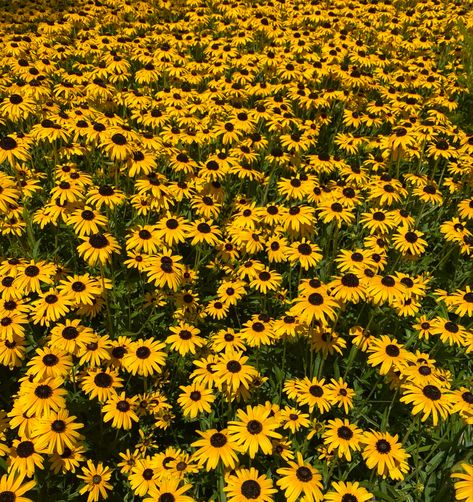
[236,246]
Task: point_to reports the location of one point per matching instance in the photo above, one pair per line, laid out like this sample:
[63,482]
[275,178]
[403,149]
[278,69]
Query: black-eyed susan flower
[293,419]
[195,399]
[49,363]
[185,338]
[43,397]
[24,458]
[254,429]
[230,369]
[410,242]
[216,446]
[143,476]
[101,384]
[144,239]
[430,400]
[56,431]
[316,306]
[340,394]
[300,479]
[169,489]
[98,248]
[249,484]
[386,353]
[120,410]
[13,488]
[342,491]
[342,437]
[312,392]
[96,481]
[144,357]
[164,269]
[383,452]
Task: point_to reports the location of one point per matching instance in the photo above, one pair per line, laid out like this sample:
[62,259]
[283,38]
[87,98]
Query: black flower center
[51,299]
[407,281]
[411,237]
[50,360]
[316,390]
[119,139]
[7,496]
[87,215]
[383,446]
[58,426]
[218,440]
[195,395]
[172,223]
[144,234]
[432,392]
[204,228]
[166,497]
[233,366]
[8,143]
[254,427]
[348,497]
[25,449]
[185,334]
[70,332]
[103,380]
[31,271]
[123,406]
[43,391]
[345,432]
[106,191]
[350,280]
[258,327]
[316,299]
[304,474]
[424,370]
[388,281]
[392,350]
[250,489]
[304,249]
[143,352]
[451,327]
[148,474]
[467,397]
[98,241]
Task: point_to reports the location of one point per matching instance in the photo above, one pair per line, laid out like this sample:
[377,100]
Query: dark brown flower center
[316,390]
[254,427]
[50,360]
[383,446]
[123,406]
[70,332]
[25,449]
[218,440]
[233,366]
[43,391]
[345,432]
[103,380]
[304,474]
[143,352]
[388,281]
[392,350]
[58,426]
[250,489]
[350,281]
[98,241]
[316,299]
[432,392]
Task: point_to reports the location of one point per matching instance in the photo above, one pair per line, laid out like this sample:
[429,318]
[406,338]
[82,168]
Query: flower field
[236,243]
